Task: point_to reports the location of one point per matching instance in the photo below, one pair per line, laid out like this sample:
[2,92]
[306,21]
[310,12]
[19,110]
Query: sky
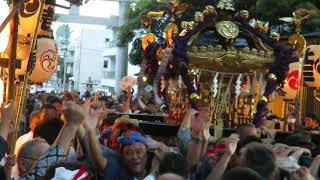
[95,8]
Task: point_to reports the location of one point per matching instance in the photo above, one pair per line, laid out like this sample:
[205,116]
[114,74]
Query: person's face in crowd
[133,107]
[34,122]
[120,108]
[246,131]
[42,99]
[135,158]
[58,107]
[48,114]
[310,123]
[152,107]
[25,164]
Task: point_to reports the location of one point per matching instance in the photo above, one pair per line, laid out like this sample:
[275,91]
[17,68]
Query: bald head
[170,176]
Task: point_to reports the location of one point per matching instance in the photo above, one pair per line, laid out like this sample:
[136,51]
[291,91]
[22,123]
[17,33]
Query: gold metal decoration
[156,13]
[316,93]
[226,5]
[159,53]
[298,41]
[193,72]
[198,17]
[227,29]
[186,27]
[171,31]
[264,99]
[262,26]
[244,14]
[275,36]
[194,97]
[146,21]
[232,60]
[147,39]
[210,9]
[272,77]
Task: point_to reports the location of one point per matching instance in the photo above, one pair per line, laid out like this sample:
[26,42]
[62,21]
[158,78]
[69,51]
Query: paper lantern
[28,18]
[293,82]
[5,34]
[46,60]
[311,66]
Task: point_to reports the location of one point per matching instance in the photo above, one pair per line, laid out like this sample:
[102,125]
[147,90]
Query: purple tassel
[283,57]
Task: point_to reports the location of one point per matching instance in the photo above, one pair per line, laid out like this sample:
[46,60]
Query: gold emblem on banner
[227,29]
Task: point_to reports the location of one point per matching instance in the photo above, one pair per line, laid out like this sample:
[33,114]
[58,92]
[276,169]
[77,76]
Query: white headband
[65,174]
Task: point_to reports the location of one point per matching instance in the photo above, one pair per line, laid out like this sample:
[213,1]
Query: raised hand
[231,144]
[8,111]
[10,160]
[302,174]
[72,113]
[314,167]
[198,122]
[206,131]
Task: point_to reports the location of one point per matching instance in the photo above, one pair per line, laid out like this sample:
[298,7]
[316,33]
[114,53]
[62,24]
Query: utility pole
[65,69]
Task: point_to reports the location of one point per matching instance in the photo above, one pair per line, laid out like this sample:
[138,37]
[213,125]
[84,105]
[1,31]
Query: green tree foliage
[63,37]
[136,53]
[63,34]
[272,10]
[135,11]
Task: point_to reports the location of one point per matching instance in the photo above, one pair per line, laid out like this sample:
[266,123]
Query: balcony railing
[109,74]
[111,44]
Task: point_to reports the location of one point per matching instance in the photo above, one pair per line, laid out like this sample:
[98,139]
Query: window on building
[105,63]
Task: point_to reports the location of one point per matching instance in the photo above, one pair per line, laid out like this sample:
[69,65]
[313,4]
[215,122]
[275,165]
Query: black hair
[272,117]
[150,102]
[110,118]
[301,139]
[241,173]
[261,159]
[53,99]
[47,106]
[240,128]
[48,130]
[313,116]
[247,140]
[174,163]
[145,112]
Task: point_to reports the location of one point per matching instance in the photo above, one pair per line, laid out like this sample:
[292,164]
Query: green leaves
[135,11]
[136,53]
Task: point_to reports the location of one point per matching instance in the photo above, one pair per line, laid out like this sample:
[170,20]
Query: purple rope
[283,57]
[180,54]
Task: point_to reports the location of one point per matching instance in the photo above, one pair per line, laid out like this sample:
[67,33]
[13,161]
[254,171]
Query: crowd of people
[69,137]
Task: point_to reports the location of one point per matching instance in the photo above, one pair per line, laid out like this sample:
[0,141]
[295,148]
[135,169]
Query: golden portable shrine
[240,69]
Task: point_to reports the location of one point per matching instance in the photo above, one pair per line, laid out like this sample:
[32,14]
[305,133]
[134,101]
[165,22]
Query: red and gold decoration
[293,82]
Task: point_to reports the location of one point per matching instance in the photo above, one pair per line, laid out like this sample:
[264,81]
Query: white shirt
[20,141]
[149,177]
